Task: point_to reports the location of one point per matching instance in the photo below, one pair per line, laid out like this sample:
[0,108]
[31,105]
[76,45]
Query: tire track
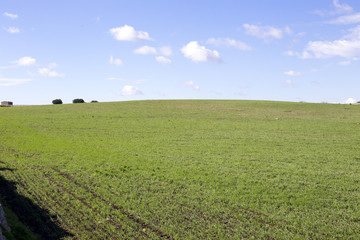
[121,209]
[116,225]
[21,188]
[133,218]
[23,179]
[81,200]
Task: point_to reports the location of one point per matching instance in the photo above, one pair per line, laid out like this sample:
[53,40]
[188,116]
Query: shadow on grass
[38,220]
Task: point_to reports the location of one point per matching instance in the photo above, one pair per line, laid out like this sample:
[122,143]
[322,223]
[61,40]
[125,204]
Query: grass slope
[186,169]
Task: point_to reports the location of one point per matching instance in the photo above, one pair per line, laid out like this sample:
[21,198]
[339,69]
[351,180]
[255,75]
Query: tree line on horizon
[76,100]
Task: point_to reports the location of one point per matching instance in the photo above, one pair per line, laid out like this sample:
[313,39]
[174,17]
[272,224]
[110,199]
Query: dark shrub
[78,100]
[94,101]
[57,101]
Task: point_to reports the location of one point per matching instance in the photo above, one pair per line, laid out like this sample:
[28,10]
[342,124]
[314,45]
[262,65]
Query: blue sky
[132,50]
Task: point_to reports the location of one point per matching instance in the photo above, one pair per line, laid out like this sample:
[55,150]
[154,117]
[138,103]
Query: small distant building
[6,104]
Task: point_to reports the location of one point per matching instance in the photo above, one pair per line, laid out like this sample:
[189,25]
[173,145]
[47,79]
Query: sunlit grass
[189,169]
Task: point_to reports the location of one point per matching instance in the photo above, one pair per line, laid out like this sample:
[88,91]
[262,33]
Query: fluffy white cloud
[198,53]
[292,73]
[10,15]
[327,49]
[13,30]
[264,32]
[347,47]
[26,61]
[348,19]
[192,85]
[350,101]
[128,33]
[13,81]
[115,61]
[47,72]
[162,59]
[145,50]
[229,43]
[130,91]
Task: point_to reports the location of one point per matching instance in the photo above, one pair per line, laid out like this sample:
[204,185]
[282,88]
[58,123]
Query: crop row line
[267,220]
[23,189]
[116,225]
[114,206]
[22,180]
[82,201]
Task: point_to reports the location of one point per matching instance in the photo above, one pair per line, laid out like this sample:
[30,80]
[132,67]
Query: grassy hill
[183,169]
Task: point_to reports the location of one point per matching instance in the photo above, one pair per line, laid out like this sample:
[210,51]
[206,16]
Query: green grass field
[183,170]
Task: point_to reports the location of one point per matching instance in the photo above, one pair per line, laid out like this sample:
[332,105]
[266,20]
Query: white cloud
[342,8]
[128,33]
[12,30]
[26,61]
[10,15]
[328,49]
[229,43]
[165,50]
[339,9]
[130,91]
[13,81]
[264,32]
[348,19]
[47,72]
[350,101]
[192,85]
[292,73]
[320,13]
[347,47]
[354,33]
[145,50]
[198,53]
[115,61]
[162,59]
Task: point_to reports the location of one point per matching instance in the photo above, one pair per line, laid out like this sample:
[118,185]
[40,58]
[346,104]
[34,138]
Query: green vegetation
[57,101]
[78,100]
[18,230]
[186,169]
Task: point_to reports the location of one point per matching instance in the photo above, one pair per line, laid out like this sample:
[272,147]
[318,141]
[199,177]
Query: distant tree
[94,101]
[57,101]
[78,100]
